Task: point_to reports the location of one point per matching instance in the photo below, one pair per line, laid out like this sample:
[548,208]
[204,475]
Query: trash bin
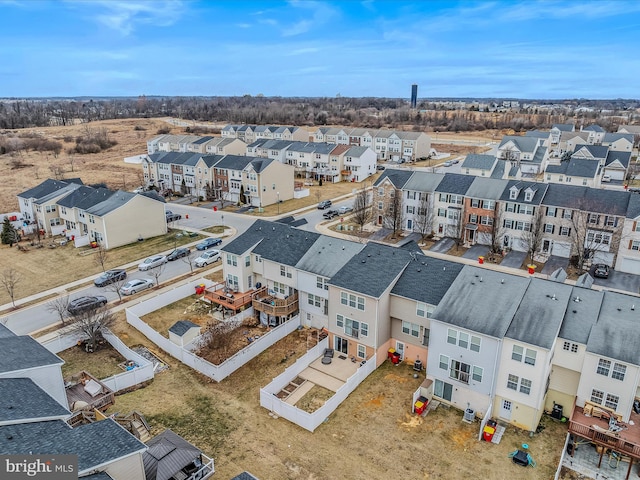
[200,289]
[480,260]
[395,358]
[390,353]
[531,268]
[488,432]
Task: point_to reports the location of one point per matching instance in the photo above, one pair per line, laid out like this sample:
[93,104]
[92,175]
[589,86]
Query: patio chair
[328,352]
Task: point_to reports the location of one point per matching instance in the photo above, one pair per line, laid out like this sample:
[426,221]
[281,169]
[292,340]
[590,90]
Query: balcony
[221,294]
[272,305]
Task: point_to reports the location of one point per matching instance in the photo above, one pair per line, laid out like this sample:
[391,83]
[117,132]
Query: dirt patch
[102,363]
[314,399]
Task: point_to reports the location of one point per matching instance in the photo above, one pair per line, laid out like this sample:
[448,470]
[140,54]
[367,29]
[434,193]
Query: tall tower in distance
[414,95]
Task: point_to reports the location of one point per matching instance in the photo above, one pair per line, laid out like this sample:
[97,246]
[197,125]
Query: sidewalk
[69,287]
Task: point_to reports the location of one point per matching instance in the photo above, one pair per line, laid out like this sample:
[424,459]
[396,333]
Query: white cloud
[321,13]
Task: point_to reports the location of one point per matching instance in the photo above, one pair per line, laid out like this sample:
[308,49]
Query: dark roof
[538,318]
[483,162]
[426,279]
[613,137]
[182,326]
[22,400]
[471,303]
[73,198]
[152,194]
[211,160]
[234,162]
[581,314]
[596,151]
[5,332]
[97,196]
[98,476]
[168,453]
[397,177]
[372,270]
[455,183]
[46,187]
[498,170]
[537,134]
[622,157]
[328,255]
[633,209]
[56,437]
[259,164]
[115,201]
[615,334]
[540,192]
[202,140]
[245,476]
[576,168]
[587,199]
[23,352]
[58,194]
[273,241]
[563,127]
[594,128]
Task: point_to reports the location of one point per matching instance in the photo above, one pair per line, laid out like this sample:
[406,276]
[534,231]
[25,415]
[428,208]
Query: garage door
[561,249]
[603,257]
[615,174]
[630,265]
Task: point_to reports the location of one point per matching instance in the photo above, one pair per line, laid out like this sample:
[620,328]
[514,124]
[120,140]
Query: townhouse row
[504,345]
[86,214]
[595,225]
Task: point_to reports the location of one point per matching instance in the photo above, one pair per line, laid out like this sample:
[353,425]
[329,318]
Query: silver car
[136,285]
[152,262]
[206,258]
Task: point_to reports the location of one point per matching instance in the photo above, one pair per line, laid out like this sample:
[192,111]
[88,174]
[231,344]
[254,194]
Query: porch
[220,295]
[271,305]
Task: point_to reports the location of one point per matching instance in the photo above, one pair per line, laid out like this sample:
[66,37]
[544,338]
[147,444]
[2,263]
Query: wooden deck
[271,305]
[626,441]
[220,294]
[79,399]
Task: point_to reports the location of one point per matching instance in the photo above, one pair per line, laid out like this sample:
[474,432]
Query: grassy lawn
[314,399]
[186,309]
[102,363]
[44,268]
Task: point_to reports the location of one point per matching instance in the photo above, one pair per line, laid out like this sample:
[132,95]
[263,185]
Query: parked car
[206,258]
[606,178]
[601,270]
[86,303]
[178,253]
[380,167]
[448,163]
[152,262]
[329,214]
[172,217]
[345,209]
[136,285]
[634,190]
[324,204]
[207,243]
[110,276]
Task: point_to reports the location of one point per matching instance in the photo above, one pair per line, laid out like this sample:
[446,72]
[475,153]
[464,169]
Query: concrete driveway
[476,251]
[619,281]
[442,246]
[553,263]
[513,259]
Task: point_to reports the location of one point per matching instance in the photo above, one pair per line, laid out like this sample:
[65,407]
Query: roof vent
[619,309]
[554,297]
[343,247]
[633,307]
[274,228]
[368,254]
[419,269]
[577,299]
[473,283]
[502,281]
[574,311]
[481,279]
[364,261]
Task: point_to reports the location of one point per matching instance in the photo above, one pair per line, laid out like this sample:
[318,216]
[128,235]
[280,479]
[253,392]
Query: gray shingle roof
[182,326]
[398,177]
[596,151]
[537,134]
[633,209]
[576,168]
[587,199]
[563,127]
[22,400]
[594,128]
[498,170]
[372,270]
[423,181]
[211,160]
[168,453]
[482,162]
[97,196]
[616,334]
[581,314]
[539,188]
[76,196]
[45,188]
[455,183]
[426,279]
[356,151]
[234,162]
[539,316]
[471,303]
[56,437]
[487,188]
[58,193]
[259,164]
[612,137]
[5,332]
[23,352]
[115,201]
[622,157]
[524,144]
[244,476]
[328,255]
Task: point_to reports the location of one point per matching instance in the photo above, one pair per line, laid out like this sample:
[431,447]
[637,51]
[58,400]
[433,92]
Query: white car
[344,209]
[136,285]
[152,262]
[210,256]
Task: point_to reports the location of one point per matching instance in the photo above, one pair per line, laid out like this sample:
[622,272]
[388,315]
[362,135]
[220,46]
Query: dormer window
[513,193]
[528,195]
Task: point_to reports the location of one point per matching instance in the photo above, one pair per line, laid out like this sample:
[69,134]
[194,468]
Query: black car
[601,270]
[208,243]
[83,304]
[329,214]
[178,253]
[324,204]
[110,276]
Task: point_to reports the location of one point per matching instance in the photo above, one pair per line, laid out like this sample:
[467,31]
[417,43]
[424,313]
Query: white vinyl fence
[121,381]
[215,372]
[310,421]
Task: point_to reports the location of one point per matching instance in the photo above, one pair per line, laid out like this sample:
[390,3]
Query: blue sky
[527,49]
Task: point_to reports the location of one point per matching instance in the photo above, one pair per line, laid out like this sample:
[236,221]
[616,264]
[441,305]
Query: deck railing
[275,306]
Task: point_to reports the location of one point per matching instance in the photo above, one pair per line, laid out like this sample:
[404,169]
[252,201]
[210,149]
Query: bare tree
[71,160]
[592,232]
[91,322]
[532,239]
[59,307]
[218,337]
[424,217]
[157,271]
[188,259]
[56,171]
[393,216]
[100,256]
[454,225]
[10,279]
[115,287]
[497,229]
[361,208]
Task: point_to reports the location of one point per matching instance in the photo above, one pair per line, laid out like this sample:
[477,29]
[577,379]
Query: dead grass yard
[102,363]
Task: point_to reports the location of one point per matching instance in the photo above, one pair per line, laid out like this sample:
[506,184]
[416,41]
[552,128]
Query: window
[444,362]
[618,371]
[567,214]
[475,203]
[460,371]
[364,329]
[232,260]
[381,192]
[475,344]
[530,357]
[314,300]
[549,228]
[380,205]
[339,321]
[442,212]
[486,220]
[411,329]
[593,218]
[603,367]
[247,261]
[361,303]
[516,353]
[285,272]
[488,204]
[452,336]
[344,298]
[473,218]
[362,351]
[512,382]
[565,231]
[610,221]
[279,287]
[526,209]
[525,386]
[477,374]
[570,347]
[612,401]
[421,309]
[463,340]
[635,245]
[551,211]
[510,207]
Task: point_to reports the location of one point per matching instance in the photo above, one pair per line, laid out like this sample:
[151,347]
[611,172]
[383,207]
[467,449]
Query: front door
[506,241]
[340,344]
[471,235]
[400,349]
[409,224]
[546,246]
[505,410]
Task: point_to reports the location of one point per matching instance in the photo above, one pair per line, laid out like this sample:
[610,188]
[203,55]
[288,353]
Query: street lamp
[278,194]
[222,217]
